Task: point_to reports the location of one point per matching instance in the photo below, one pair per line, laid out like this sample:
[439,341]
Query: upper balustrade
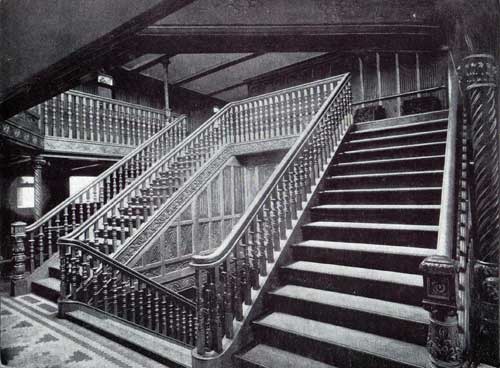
[86,119]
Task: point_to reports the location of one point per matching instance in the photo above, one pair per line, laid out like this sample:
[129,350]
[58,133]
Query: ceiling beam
[211,94]
[217,69]
[147,64]
[288,38]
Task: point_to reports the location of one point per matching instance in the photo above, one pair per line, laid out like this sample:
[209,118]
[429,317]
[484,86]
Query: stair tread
[271,357]
[384,347]
[398,136]
[163,347]
[378,206]
[369,248]
[354,302]
[358,273]
[374,175]
[387,160]
[391,189]
[430,114]
[389,148]
[401,126]
[371,225]
[50,283]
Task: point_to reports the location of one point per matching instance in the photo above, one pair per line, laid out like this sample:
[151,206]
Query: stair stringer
[243,333]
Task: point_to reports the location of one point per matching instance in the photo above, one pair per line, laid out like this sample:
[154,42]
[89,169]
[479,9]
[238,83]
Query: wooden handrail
[446,235]
[402,94]
[216,257]
[124,269]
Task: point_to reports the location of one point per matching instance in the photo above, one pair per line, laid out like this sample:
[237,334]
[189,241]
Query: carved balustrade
[94,280]
[81,116]
[225,278]
[41,237]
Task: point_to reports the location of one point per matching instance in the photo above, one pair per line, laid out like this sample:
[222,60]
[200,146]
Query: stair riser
[55,273]
[413,197]
[45,292]
[340,356]
[364,287]
[388,167]
[402,120]
[409,331]
[412,238]
[435,149]
[396,141]
[401,216]
[378,261]
[364,134]
[422,180]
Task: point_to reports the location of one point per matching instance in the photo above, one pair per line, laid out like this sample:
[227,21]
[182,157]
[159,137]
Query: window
[77,183]
[25,192]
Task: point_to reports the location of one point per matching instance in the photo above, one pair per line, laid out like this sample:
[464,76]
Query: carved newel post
[443,340]
[18,282]
[478,76]
[38,165]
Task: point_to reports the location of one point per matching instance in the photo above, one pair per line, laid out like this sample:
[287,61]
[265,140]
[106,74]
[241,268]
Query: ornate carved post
[478,76]
[38,165]
[18,282]
[443,340]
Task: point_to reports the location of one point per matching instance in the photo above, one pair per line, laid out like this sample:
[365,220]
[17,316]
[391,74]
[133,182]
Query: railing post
[478,76]
[38,164]
[18,282]
[443,339]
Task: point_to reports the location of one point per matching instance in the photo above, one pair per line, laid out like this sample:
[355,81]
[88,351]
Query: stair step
[155,347]
[402,120]
[424,163]
[386,285]
[395,320]
[393,213]
[375,256]
[265,356]
[55,272]
[338,345]
[397,139]
[48,288]
[417,195]
[398,151]
[386,179]
[422,126]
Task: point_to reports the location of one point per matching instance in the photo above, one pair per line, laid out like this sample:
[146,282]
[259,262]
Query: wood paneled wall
[377,77]
[210,216]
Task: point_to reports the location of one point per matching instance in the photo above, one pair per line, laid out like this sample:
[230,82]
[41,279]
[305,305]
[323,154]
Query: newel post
[479,79]
[443,339]
[18,281]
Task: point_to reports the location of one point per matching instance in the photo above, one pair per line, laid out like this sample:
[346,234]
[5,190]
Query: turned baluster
[114,294]
[287,129]
[74,266]
[280,209]
[40,245]
[163,317]
[254,251]
[245,273]
[140,305]
[105,290]
[171,319]
[184,334]
[31,251]
[149,310]
[297,186]
[261,244]
[177,318]
[302,177]
[268,235]
[294,123]
[45,115]
[62,118]
[275,231]
[191,322]
[57,222]
[200,313]
[261,124]
[292,192]
[226,278]
[132,305]
[217,308]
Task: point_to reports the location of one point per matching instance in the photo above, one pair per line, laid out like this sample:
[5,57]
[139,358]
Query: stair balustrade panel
[263,117]
[90,278]
[226,277]
[42,235]
[85,117]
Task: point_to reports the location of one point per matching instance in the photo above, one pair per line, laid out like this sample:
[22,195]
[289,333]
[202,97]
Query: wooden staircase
[351,297]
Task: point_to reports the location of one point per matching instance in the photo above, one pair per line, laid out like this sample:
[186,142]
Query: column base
[18,287]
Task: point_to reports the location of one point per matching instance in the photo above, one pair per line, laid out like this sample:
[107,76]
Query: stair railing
[446,274]
[226,277]
[42,235]
[94,280]
[276,114]
[87,117]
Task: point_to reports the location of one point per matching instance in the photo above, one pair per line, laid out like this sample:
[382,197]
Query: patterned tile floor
[33,337]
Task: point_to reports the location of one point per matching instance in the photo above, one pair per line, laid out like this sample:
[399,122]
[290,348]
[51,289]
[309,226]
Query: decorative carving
[478,74]
[181,284]
[443,343]
[76,146]
[176,266]
[186,240]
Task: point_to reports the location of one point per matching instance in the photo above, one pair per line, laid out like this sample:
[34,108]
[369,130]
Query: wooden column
[479,78]
[165,64]
[38,164]
[18,281]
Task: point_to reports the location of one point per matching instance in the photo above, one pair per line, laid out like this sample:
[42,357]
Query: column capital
[478,70]
[39,162]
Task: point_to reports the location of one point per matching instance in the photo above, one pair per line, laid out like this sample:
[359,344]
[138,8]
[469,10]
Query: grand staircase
[352,294]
